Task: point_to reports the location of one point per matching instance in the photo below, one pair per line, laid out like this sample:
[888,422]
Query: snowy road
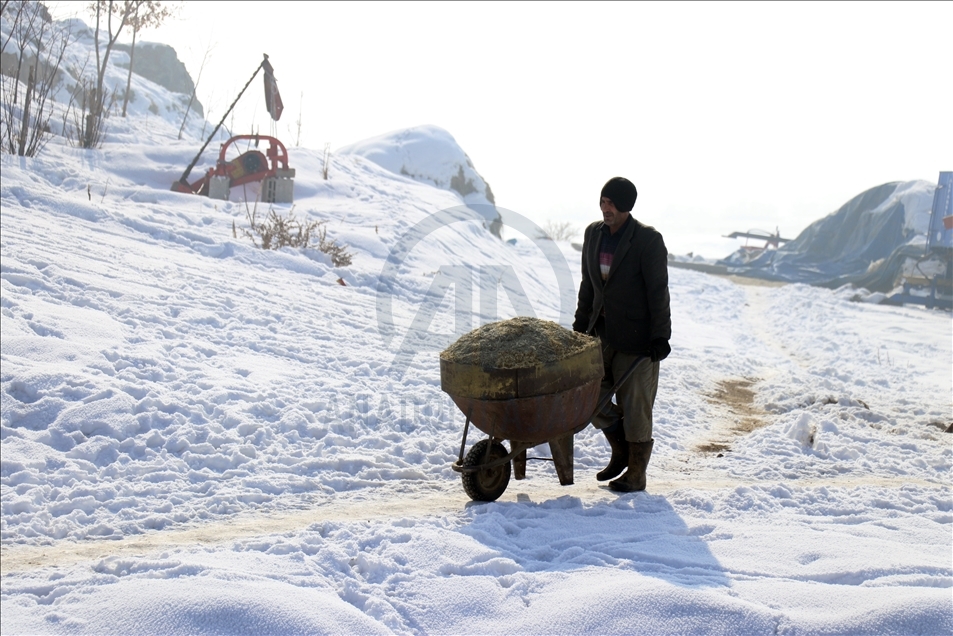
[394,502]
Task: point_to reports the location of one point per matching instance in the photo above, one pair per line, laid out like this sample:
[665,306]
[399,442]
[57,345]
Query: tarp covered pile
[864,243]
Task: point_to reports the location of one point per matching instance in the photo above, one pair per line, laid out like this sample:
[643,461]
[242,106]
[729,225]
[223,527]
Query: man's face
[613,218]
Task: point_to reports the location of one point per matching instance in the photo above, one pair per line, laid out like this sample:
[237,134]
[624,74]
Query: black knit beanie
[621,192]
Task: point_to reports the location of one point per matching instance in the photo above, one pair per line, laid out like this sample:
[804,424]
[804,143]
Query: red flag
[272,96]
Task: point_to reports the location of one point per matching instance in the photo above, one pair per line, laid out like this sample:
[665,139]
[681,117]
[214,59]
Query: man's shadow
[639,532]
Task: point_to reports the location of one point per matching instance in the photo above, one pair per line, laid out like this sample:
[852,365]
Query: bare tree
[16,12]
[104,12]
[558,231]
[25,19]
[300,106]
[145,14]
[40,47]
[195,88]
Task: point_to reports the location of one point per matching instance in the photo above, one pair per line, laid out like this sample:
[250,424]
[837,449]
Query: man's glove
[659,349]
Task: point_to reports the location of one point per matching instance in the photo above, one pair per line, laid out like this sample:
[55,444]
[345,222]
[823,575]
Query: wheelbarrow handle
[608,396]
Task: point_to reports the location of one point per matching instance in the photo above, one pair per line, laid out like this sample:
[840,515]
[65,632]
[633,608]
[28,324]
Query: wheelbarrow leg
[519,465]
[561,448]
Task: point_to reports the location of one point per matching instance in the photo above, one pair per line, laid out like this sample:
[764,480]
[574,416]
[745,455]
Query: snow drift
[429,154]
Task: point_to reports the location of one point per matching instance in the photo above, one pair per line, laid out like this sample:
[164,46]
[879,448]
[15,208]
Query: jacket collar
[625,226]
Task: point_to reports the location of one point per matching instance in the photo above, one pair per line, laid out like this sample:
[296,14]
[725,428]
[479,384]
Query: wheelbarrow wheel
[489,483]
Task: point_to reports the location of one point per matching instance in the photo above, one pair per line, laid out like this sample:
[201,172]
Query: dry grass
[276,231]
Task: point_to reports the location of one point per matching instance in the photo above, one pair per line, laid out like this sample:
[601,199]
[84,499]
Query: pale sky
[725,116]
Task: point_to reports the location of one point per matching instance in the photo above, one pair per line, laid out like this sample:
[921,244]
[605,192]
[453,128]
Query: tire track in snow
[733,398]
[388,503]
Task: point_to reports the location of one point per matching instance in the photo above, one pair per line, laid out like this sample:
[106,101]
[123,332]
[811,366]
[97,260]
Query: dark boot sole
[622,486]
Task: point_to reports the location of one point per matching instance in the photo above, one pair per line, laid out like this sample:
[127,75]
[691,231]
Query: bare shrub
[340,257]
[276,231]
[558,231]
[87,130]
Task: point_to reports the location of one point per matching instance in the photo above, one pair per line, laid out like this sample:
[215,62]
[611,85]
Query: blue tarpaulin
[864,243]
[940,235]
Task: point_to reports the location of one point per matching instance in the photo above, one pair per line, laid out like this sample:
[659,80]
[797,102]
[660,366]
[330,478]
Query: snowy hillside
[199,436]
[148,100]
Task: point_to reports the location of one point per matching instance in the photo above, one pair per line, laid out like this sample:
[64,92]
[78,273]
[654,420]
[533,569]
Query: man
[624,300]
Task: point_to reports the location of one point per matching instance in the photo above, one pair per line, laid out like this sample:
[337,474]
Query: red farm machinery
[270,168]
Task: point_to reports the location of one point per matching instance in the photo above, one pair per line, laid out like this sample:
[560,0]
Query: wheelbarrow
[527,407]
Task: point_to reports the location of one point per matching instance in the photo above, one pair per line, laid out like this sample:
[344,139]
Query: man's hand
[659,349]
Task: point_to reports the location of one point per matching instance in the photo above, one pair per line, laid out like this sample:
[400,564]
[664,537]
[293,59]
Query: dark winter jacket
[635,295]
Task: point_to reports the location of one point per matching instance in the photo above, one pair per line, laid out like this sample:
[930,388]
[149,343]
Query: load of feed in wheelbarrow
[518,358]
[516,343]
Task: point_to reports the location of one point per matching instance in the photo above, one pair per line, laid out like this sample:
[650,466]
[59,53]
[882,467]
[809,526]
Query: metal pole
[466,429]
[185,175]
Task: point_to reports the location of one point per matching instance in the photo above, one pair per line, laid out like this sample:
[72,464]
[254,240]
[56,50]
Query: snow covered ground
[202,437]
[199,436]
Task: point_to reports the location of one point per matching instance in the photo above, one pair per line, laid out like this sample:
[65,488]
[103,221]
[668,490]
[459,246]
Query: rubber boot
[620,452]
[634,478]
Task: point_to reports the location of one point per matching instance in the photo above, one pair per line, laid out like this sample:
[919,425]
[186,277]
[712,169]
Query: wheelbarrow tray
[535,419]
[532,404]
